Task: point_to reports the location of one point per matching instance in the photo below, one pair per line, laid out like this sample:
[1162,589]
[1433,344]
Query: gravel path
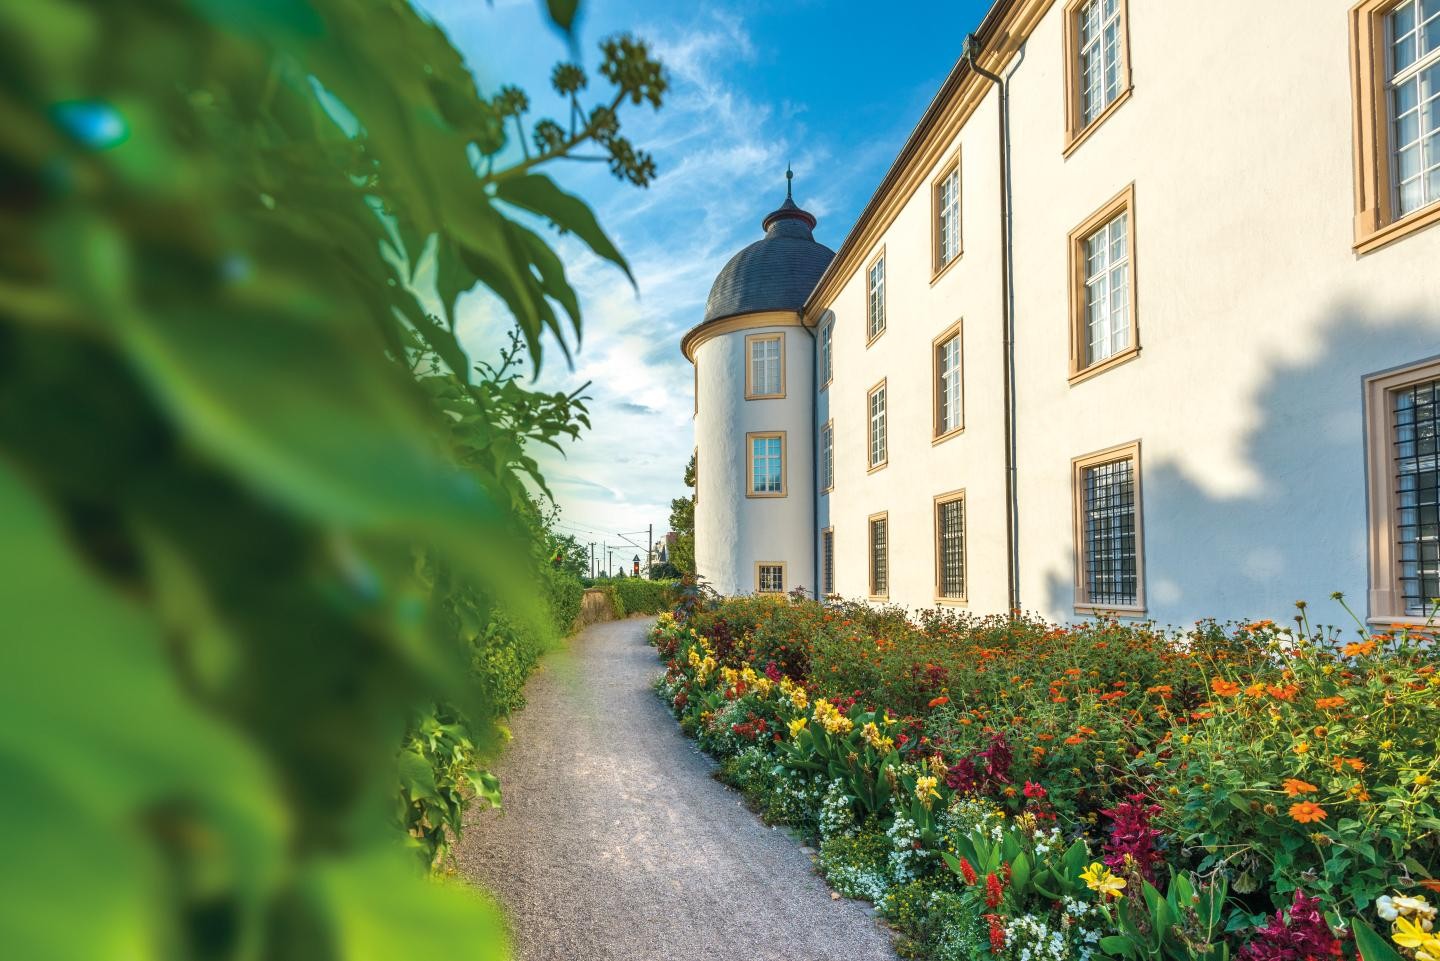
[616,842]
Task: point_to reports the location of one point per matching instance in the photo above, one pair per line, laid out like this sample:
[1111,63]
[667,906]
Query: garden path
[616,844]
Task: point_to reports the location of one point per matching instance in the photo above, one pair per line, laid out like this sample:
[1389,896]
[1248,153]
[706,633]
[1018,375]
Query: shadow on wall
[1300,531]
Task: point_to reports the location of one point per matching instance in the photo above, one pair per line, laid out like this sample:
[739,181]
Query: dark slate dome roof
[776,272]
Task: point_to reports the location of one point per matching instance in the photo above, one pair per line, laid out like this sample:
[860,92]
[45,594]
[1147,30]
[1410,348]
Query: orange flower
[1074,739]
[1294,786]
[1431,885]
[1325,703]
[1259,625]
[1112,696]
[1161,689]
[1073,671]
[1357,648]
[1224,688]
[1306,812]
[1045,737]
[1255,690]
[1286,693]
[1082,729]
[1340,763]
[942,699]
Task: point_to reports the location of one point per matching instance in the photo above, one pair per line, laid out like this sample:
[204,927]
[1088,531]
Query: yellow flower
[925,789]
[1302,748]
[1411,934]
[875,739]
[798,725]
[797,697]
[1423,780]
[1097,877]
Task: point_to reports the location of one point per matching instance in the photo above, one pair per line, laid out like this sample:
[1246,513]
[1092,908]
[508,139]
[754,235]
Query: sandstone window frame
[939,263]
[875,319]
[750,341]
[1385,600]
[1084,603]
[1122,203]
[1376,223]
[942,501]
[939,431]
[882,552]
[1077,130]
[760,570]
[750,438]
[877,438]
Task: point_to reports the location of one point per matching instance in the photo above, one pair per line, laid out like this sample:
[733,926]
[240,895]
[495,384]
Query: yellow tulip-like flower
[798,698]
[762,686]
[925,789]
[1098,877]
[798,725]
[875,739]
[1411,934]
[694,658]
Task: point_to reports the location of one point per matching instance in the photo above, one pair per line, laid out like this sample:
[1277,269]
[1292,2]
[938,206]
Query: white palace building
[1143,320]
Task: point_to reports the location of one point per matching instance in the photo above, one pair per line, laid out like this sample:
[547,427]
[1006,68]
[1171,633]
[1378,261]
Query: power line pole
[610,562]
[592,560]
[650,551]
[605,552]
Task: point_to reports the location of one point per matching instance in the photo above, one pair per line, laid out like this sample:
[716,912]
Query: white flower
[1385,907]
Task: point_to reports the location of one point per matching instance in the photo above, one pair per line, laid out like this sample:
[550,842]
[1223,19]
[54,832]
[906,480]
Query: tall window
[947,217]
[1413,90]
[949,393]
[875,298]
[1103,322]
[1395,59]
[770,578]
[827,561]
[879,555]
[879,453]
[767,464]
[1403,431]
[827,338]
[1107,501]
[1097,70]
[765,370]
[950,546]
[827,456]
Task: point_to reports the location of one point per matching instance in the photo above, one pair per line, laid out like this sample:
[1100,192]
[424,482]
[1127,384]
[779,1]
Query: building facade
[1144,319]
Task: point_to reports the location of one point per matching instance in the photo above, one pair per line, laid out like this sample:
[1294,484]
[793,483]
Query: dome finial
[789,178]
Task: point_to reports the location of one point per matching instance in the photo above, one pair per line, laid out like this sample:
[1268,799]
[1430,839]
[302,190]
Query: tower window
[770,577]
[765,367]
[766,467]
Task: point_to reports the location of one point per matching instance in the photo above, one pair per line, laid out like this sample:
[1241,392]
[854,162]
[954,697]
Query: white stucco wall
[732,531]
[1257,322]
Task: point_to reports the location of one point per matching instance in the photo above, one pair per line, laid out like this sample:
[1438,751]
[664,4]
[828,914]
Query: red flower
[997,933]
[993,891]
[968,872]
[1033,790]
[942,699]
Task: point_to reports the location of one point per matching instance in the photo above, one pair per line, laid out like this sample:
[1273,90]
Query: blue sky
[833,88]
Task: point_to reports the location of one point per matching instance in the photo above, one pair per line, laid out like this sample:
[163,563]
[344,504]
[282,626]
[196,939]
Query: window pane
[1416,419]
[1111,573]
[879,558]
[950,529]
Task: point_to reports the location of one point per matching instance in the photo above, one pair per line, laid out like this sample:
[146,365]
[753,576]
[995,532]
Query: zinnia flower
[942,699]
[1294,786]
[1307,811]
[1224,688]
[1325,703]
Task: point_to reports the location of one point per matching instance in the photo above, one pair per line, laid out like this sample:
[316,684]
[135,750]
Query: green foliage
[856,864]
[264,524]
[1184,924]
[682,522]
[636,595]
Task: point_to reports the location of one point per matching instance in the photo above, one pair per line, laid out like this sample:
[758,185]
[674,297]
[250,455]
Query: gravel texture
[617,843]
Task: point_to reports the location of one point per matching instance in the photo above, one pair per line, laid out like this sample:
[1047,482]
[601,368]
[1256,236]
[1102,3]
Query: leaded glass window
[949,414]
[772,578]
[875,300]
[1107,290]
[947,224]
[827,337]
[827,456]
[765,378]
[878,451]
[1100,57]
[1416,419]
[1413,76]
[767,465]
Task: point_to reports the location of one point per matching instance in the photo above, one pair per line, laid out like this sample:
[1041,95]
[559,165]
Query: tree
[262,514]
[682,522]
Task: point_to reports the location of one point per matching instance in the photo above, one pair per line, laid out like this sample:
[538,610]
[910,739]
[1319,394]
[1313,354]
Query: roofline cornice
[728,325]
[1005,27]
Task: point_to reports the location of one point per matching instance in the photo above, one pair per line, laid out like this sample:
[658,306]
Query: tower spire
[789,178]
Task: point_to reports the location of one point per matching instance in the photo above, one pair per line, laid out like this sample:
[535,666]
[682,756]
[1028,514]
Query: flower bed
[1013,789]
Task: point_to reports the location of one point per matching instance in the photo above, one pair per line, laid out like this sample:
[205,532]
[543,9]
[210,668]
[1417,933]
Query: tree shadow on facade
[1299,530]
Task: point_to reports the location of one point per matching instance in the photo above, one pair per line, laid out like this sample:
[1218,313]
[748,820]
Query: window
[1403,433]
[827,456]
[827,561]
[879,555]
[875,298]
[1109,546]
[949,394]
[950,546]
[767,464]
[770,577]
[1097,64]
[1396,60]
[765,367]
[827,338]
[947,217]
[879,454]
[1103,328]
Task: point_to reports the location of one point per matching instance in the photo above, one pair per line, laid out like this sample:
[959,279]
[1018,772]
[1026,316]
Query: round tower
[755,408]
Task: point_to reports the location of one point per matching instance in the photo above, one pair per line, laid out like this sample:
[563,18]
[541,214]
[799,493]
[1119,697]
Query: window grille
[766,466]
[948,399]
[878,452]
[765,366]
[1100,55]
[950,528]
[772,579]
[1111,575]
[876,299]
[1414,93]
[947,227]
[879,557]
[827,551]
[1416,413]
[1107,290]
